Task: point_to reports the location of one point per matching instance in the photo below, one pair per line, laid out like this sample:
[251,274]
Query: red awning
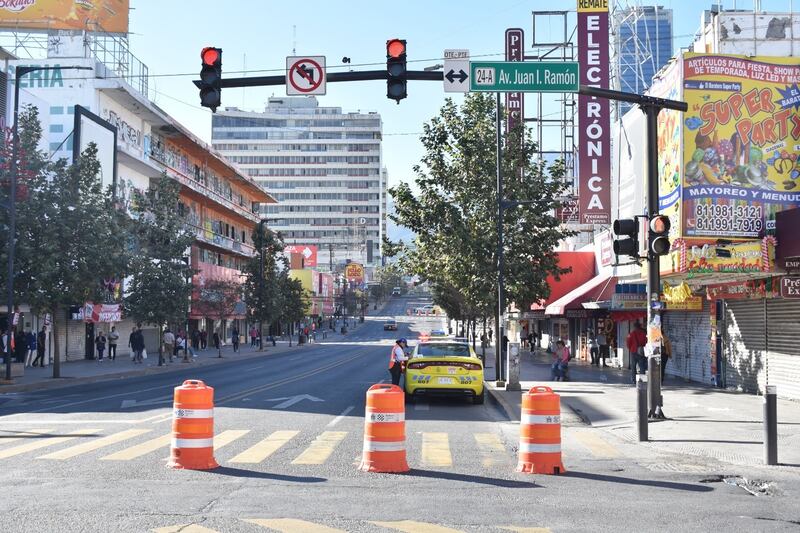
[628,316]
[582,265]
[599,288]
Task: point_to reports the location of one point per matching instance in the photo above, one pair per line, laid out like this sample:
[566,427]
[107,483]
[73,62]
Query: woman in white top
[397,359]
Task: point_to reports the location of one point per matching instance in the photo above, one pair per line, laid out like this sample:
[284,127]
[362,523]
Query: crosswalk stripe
[320,449]
[44,442]
[265,448]
[226,437]
[184,528]
[410,526]
[25,434]
[490,447]
[596,445]
[96,444]
[526,529]
[140,449]
[290,525]
[436,450]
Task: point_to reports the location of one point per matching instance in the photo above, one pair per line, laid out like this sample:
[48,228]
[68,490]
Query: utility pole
[499,326]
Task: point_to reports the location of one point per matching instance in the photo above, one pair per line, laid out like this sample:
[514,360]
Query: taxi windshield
[443,350]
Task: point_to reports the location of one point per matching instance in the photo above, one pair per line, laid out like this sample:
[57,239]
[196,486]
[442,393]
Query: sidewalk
[703,421]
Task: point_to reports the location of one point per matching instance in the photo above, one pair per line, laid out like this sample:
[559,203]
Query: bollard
[384,430]
[513,367]
[641,405]
[192,444]
[540,432]
[771,425]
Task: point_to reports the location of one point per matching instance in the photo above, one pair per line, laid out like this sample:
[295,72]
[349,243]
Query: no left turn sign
[305,75]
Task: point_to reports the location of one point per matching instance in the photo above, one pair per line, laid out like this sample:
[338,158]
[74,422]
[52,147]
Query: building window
[56,128]
[56,110]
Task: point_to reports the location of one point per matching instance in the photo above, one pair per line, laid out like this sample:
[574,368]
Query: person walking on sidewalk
[594,348]
[136,343]
[636,341]
[666,354]
[397,360]
[169,343]
[100,344]
[235,338]
[253,337]
[30,342]
[113,338]
[560,366]
[195,340]
[203,339]
[602,347]
[41,340]
[216,340]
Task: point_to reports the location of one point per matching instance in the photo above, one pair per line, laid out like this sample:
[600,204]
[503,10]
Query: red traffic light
[210,55]
[395,47]
[660,224]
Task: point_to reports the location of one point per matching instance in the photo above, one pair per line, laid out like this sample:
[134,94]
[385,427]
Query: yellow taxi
[444,367]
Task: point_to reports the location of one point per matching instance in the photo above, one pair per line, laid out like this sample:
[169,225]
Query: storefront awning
[581,265]
[597,289]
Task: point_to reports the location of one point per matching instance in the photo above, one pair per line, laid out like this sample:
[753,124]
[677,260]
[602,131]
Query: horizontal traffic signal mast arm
[641,99]
[365,75]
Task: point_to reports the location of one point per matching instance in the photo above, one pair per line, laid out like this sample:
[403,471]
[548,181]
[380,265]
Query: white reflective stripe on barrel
[540,419]
[193,413]
[192,443]
[382,446]
[526,447]
[385,418]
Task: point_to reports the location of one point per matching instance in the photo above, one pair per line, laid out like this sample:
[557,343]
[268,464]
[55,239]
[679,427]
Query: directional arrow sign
[456,71]
[520,76]
[126,404]
[291,400]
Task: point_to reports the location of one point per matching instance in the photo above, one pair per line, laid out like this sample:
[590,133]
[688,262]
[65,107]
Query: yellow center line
[436,450]
[596,445]
[226,437]
[25,434]
[491,448]
[140,449]
[184,528]
[290,525]
[44,442]
[319,450]
[96,444]
[265,448]
[410,526]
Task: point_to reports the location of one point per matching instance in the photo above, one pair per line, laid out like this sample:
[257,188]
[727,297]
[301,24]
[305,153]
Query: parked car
[390,325]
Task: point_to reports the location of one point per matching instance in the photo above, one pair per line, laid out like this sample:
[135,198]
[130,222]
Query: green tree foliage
[261,285]
[160,284]
[292,299]
[387,277]
[218,300]
[454,211]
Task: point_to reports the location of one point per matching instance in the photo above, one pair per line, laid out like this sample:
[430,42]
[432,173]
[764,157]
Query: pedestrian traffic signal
[629,245]
[658,235]
[397,82]
[211,78]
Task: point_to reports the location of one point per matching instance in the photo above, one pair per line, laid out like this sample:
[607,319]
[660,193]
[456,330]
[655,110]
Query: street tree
[161,277]
[293,301]
[219,299]
[261,286]
[71,240]
[453,211]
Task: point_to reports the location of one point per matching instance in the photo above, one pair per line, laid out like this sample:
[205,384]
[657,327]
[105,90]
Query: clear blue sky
[167,35]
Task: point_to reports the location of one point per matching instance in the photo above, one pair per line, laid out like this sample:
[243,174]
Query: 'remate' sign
[594,136]
[790,287]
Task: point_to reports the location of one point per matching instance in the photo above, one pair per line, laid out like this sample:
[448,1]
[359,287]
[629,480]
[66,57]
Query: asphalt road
[289,433]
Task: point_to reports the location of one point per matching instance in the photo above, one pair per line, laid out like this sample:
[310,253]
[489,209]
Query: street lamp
[12,200]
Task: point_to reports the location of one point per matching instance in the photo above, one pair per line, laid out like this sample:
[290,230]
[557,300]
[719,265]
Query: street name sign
[305,75]
[519,76]
[456,71]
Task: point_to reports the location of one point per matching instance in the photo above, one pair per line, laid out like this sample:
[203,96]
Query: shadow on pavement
[505,483]
[631,481]
[710,440]
[239,472]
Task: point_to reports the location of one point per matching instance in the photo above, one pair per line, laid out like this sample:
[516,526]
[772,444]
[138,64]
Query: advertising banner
[741,142]
[515,102]
[594,130]
[742,257]
[92,312]
[354,272]
[790,287]
[308,251]
[110,15]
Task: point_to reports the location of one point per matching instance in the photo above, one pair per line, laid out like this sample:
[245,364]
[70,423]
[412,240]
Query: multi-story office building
[322,165]
[641,45]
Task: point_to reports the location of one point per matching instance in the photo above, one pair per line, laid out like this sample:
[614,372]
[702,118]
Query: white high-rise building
[324,168]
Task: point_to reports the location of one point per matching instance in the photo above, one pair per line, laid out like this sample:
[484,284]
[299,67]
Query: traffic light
[629,245]
[658,235]
[210,78]
[396,84]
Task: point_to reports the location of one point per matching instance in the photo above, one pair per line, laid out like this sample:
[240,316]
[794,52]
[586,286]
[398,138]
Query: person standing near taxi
[397,359]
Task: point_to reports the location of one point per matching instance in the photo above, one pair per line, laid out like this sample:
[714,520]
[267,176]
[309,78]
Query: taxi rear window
[440,350]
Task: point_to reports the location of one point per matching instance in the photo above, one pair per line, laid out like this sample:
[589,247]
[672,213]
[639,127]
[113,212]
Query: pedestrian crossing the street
[294,525]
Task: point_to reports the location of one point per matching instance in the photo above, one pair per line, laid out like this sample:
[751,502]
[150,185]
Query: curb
[504,404]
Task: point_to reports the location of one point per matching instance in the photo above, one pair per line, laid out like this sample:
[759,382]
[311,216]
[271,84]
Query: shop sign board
[628,301]
[790,263]
[109,15]
[354,272]
[790,287]
[694,303]
[710,258]
[740,290]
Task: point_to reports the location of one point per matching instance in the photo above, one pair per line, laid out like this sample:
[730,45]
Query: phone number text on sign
[733,220]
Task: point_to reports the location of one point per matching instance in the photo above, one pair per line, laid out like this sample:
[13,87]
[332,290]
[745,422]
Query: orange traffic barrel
[540,432]
[193,427]
[385,430]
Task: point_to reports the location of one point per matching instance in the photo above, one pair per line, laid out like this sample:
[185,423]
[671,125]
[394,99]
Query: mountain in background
[396,232]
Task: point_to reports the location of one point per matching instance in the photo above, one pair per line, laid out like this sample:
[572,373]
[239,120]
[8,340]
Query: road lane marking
[24,434]
[265,448]
[184,528]
[290,525]
[596,445]
[411,526]
[321,448]
[490,448]
[96,444]
[44,442]
[526,529]
[66,422]
[340,417]
[140,449]
[436,450]
[228,436]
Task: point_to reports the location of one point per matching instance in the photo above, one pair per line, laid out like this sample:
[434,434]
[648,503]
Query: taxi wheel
[478,400]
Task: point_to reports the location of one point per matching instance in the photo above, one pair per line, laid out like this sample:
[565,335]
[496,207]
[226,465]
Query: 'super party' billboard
[741,140]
